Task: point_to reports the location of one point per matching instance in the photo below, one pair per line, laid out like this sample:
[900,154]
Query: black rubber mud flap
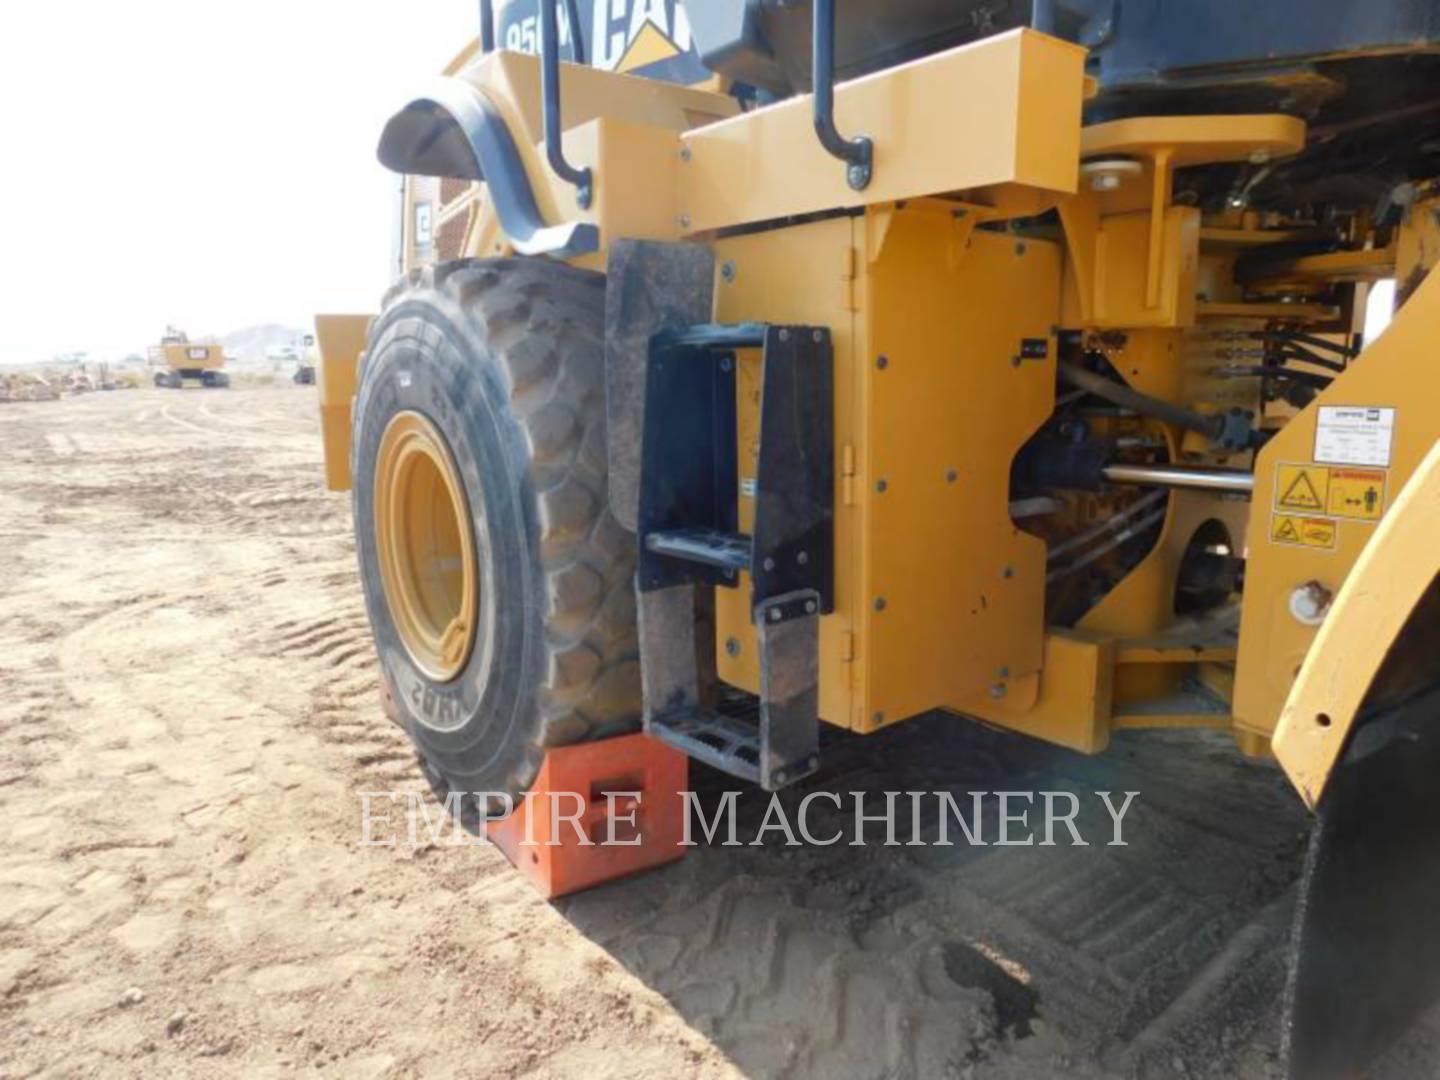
[652,286]
[1366,949]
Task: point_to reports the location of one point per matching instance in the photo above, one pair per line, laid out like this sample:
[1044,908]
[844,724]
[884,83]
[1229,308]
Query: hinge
[850,257]
[847,475]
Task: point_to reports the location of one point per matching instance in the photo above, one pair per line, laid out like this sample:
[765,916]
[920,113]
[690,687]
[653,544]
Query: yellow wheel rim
[426,546]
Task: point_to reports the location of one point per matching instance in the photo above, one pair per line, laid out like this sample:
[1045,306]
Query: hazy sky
[204,163]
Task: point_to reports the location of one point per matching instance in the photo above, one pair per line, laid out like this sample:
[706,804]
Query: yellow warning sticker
[1302,487]
[1357,493]
[1302,531]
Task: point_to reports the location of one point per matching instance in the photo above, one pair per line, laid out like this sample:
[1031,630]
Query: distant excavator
[177,359]
[305,365]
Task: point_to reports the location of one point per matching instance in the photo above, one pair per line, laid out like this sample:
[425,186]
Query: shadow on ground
[1161,957]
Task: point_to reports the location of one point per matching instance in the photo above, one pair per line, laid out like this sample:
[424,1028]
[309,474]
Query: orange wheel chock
[598,811]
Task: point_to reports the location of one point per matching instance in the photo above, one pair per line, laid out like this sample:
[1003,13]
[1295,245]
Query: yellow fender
[340,340]
[1393,572]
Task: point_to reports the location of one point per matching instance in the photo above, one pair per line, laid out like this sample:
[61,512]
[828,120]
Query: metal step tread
[729,743]
[727,551]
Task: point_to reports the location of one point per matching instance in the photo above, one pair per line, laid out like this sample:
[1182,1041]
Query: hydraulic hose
[1119,394]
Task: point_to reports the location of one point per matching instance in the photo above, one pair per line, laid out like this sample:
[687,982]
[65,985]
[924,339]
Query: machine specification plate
[1354,435]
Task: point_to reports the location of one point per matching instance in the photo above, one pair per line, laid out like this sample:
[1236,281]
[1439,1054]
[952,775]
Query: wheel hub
[426,546]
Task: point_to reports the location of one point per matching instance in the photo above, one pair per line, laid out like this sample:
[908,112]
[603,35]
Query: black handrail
[487,27]
[859,152]
[577,39]
[550,88]
[1042,16]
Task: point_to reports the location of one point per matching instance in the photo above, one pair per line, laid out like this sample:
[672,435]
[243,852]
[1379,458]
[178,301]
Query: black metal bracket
[583,179]
[772,739]
[689,477]
[858,153]
[687,530]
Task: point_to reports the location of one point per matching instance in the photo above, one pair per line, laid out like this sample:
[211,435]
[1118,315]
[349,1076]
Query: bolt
[951,476]
[881,486]
[1310,602]
[775,614]
[879,603]
[726,363]
[684,221]
[784,335]
[727,271]
[685,153]
[1004,672]
[1015,360]
[858,176]
[810,607]
[1104,181]
[816,336]
[1020,247]
[769,564]
[732,646]
[1008,572]
[882,362]
[998,691]
[802,558]
[878,719]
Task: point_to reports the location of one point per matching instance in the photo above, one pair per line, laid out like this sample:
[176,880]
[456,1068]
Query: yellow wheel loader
[177,360]
[766,366]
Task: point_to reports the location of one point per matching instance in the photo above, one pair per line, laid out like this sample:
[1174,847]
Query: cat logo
[650,38]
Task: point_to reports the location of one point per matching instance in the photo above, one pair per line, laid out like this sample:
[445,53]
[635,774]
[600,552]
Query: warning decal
[1357,493]
[1302,531]
[1302,487]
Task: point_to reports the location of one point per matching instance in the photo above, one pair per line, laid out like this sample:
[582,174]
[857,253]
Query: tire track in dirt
[1169,950]
[345,704]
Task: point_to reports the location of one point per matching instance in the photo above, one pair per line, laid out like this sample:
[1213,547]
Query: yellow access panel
[959,371]
[944,366]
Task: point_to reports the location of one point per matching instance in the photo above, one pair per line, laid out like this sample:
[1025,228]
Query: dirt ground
[188,713]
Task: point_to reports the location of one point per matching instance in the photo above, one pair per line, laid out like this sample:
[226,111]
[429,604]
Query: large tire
[506,359]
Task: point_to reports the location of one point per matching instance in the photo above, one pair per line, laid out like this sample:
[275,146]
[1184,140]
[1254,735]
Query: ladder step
[714,336]
[730,739]
[725,551]
[728,743]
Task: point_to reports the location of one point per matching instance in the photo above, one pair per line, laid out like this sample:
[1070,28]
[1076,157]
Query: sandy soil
[188,713]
